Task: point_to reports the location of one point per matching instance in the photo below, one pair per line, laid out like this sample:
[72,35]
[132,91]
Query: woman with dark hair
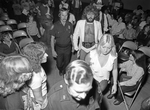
[143,37]
[134,68]
[15,71]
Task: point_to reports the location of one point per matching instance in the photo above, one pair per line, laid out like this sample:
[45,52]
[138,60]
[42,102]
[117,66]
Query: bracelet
[115,83]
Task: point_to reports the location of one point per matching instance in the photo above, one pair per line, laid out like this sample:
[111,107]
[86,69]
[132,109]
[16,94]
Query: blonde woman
[15,71]
[103,60]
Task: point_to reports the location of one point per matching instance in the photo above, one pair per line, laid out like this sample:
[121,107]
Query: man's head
[63,14]
[90,13]
[44,2]
[79,79]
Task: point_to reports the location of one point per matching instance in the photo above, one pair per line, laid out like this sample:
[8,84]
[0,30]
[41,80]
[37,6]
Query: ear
[65,79]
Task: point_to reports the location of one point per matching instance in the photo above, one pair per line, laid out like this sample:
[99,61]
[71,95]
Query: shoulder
[56,88]
[57,23]
[80,21]
[113,52]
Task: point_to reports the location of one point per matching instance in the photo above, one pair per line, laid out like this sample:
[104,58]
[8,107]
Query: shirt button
[64,97]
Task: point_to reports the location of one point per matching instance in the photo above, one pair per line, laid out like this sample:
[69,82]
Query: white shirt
[101,72]
[39,80]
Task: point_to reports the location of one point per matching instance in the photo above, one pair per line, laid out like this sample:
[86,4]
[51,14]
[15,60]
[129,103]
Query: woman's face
[30,18]
[129,26]
[105,49]
[120,19]
[147,28]
[44,59]
[7,38]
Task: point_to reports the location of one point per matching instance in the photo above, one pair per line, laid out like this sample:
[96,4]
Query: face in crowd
[106,44]
[90,16]
[63,15]
[79,79]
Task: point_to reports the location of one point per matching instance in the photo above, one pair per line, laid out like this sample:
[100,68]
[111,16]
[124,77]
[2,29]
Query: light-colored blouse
[101,72]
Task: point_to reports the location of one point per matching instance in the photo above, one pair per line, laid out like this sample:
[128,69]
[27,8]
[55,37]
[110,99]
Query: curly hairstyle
[12,68]
[34,52]
[90,8]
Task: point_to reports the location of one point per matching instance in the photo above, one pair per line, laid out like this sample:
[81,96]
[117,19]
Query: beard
[90,20]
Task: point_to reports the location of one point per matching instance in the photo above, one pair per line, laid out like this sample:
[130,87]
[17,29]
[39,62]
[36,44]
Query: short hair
[62,10]
[79,72]
[108,38]
[11,67]
[34,52]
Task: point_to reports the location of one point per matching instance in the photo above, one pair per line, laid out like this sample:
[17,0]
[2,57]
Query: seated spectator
[15,72]
[75,91]
[135,21]
[129,33]
[134,68]
[7,45]
[128,18]
[138,10]
[142,21]
[143,37]
[118,29]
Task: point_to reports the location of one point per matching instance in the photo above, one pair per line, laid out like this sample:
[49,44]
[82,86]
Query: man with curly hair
[88,30]
[36,53]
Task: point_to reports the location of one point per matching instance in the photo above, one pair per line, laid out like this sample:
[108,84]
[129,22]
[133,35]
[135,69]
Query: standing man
[76,91]
[87,31]
[102,16]
[61,40]
[76,6]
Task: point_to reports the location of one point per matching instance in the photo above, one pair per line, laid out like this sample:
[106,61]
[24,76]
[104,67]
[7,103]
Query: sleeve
[53,30]
[71,28]
[139,73]
[99,31]
[36,81]
[105,23]
[124,64]
[76,36]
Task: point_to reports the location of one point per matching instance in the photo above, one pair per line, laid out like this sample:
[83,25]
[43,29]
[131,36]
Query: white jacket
[79,34]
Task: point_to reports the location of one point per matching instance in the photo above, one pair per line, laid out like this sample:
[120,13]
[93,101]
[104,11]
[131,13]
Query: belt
[88,44]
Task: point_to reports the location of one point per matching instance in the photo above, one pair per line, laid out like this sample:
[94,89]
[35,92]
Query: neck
[63,22]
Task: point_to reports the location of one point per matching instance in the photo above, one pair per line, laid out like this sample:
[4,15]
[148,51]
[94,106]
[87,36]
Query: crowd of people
[94,33]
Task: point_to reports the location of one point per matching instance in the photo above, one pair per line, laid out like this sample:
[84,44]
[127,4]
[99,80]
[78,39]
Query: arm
[76,36]
[27,29]
[100,34]
[105,23]
[53,45]
[87,59]
[38,34]
[115,77]
[139,73]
